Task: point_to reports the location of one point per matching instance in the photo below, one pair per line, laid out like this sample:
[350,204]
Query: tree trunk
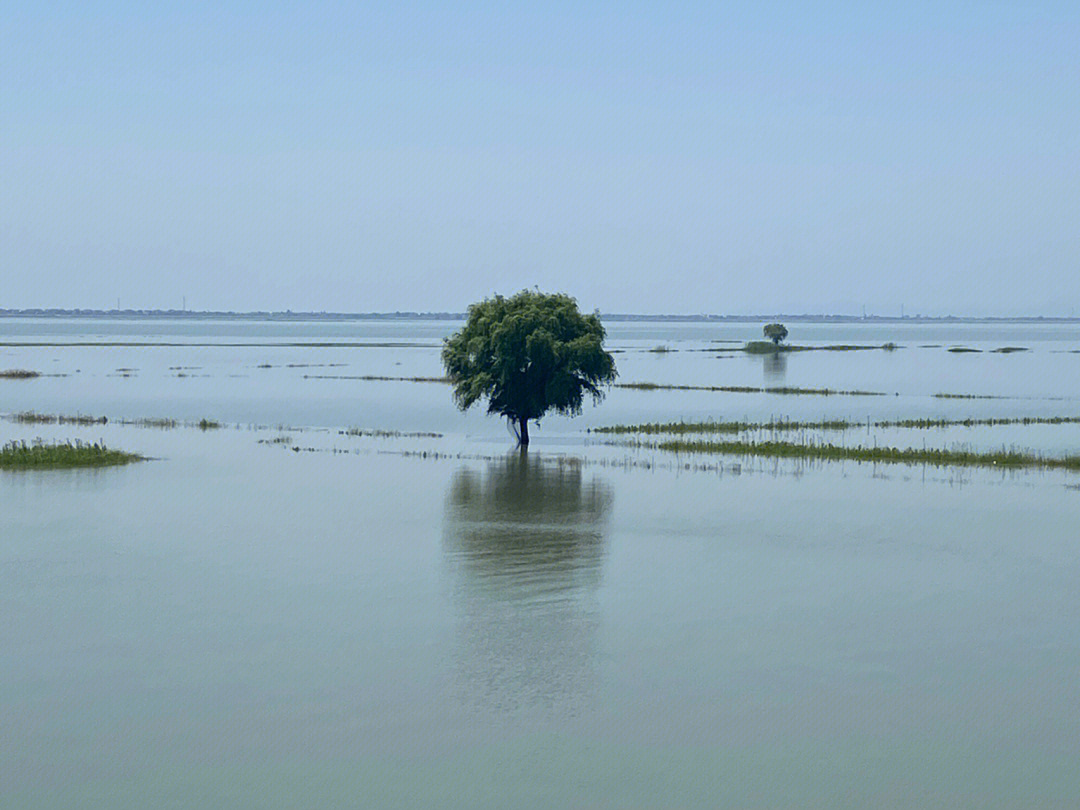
[523,429]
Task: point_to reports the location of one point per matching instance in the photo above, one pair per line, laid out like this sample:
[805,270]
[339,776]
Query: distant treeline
[456,316]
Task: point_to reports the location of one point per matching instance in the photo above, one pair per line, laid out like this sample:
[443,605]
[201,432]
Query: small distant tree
[776,332]
[527,355]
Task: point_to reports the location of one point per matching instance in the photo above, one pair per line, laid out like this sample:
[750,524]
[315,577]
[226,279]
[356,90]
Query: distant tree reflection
[775,366]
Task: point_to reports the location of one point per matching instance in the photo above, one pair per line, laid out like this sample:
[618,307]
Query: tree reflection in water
[525,539]
[774,364]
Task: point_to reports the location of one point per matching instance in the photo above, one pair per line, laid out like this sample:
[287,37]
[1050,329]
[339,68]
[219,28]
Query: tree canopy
[775,332]
[527,355]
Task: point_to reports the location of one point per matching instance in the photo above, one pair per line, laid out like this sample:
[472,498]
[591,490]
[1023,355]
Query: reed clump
[18,455]
[18,374]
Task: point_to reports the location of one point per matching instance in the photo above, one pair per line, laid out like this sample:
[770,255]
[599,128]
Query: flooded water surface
[281,612]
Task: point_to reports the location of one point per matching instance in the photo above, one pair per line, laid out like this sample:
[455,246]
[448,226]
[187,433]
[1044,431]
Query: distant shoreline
[137,314]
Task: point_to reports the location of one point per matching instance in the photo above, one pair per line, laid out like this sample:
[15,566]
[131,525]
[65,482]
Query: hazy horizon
[677,159]
[427,314]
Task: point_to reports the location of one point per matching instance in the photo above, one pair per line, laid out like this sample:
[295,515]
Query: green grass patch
[964,350]
[19,374]
[1014,459]
[61,456]
[1011,349]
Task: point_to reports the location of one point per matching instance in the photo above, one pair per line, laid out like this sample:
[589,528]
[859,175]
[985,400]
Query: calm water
[442,622]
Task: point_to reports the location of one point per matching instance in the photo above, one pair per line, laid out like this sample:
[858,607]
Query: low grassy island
[18,374]
[61,456]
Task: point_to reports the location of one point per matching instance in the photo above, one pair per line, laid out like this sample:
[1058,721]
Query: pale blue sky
[666,157]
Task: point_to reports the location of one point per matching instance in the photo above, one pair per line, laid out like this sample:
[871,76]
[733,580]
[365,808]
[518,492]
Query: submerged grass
[389,434]
[633,386]
[34,418]
[159,423]
[680,428]
[941,457]
[18,374]
[747,389]
[768,347]
[376,378]
[65,455]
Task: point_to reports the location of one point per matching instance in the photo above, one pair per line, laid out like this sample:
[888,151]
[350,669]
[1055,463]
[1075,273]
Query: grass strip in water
[19,374]
[160,423]
[61,456]
[376,378]
[679,428]
[768,347]
[746,389]
[389,434]
[634,386]
[940,457]
[34,418]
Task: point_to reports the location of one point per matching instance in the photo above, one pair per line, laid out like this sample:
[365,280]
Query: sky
[728,158]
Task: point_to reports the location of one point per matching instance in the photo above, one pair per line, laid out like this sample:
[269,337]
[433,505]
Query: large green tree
[527,355]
